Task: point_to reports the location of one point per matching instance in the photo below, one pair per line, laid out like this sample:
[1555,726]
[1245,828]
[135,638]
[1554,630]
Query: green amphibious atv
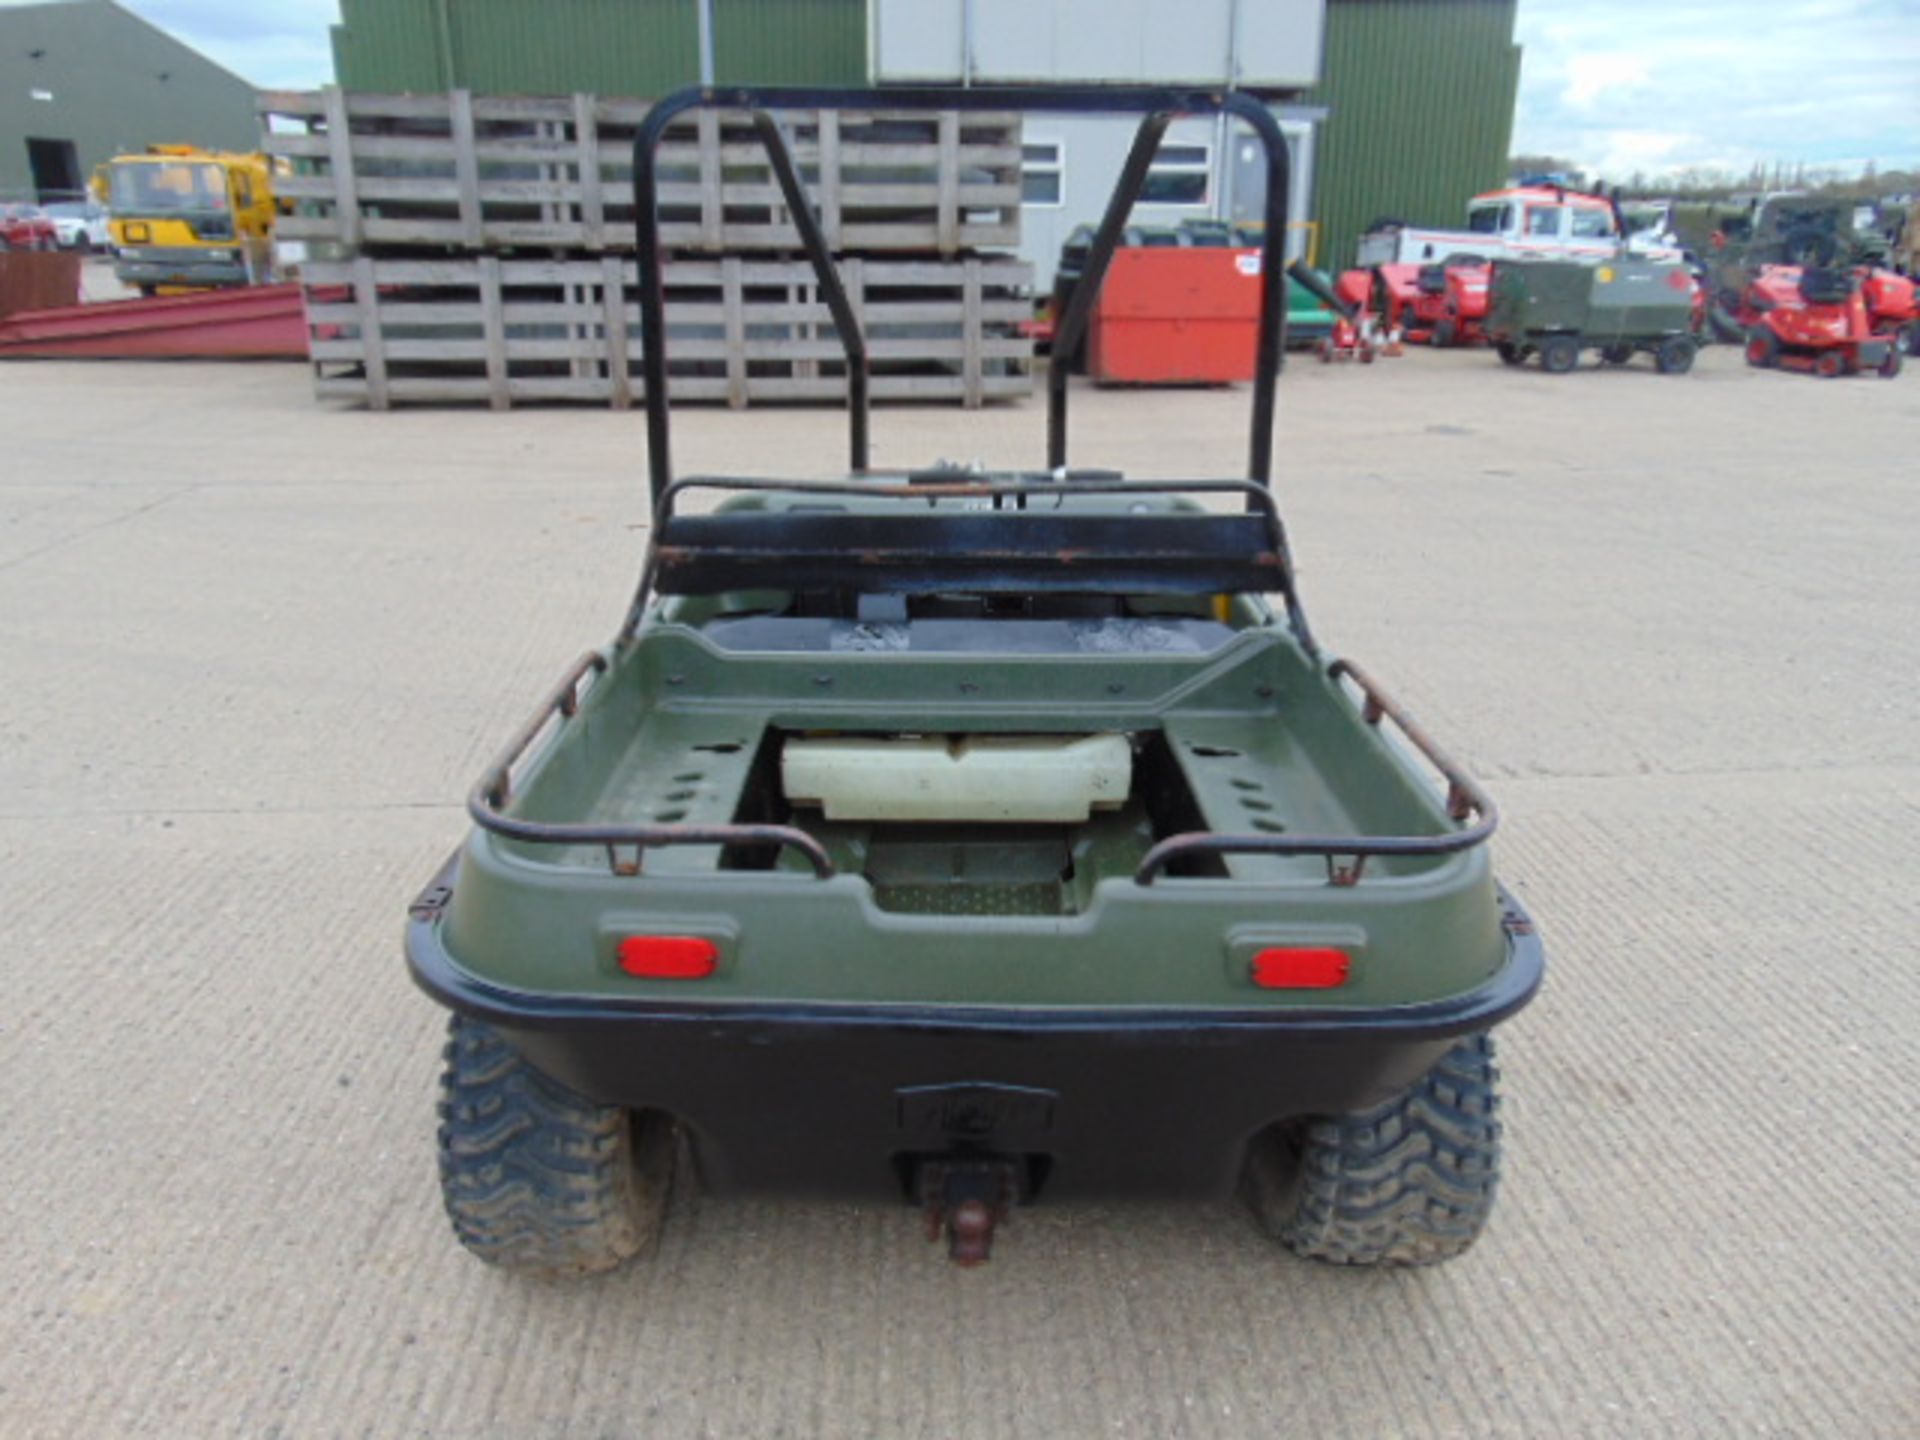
[972,839]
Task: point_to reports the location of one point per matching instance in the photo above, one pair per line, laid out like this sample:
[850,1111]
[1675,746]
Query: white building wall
[1269,44]
[1096,148]
[1277,42]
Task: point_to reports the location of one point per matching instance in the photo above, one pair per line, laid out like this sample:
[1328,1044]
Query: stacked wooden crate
[480,248]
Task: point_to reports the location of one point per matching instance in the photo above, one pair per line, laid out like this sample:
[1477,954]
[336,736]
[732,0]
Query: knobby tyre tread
[1411,1181]
[537,1179]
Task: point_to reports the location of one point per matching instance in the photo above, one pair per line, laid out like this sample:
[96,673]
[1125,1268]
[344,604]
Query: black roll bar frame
[1157,106]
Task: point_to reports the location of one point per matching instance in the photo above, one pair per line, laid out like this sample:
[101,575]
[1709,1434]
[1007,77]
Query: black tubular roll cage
[1157,108]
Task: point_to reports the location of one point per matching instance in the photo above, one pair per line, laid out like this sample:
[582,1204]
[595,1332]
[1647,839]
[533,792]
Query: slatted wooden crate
[740,330]
[460,171]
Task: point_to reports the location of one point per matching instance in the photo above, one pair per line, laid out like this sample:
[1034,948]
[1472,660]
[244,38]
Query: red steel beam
[257,322]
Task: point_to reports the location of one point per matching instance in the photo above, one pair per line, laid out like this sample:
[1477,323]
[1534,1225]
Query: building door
[56,170]
[1246,181]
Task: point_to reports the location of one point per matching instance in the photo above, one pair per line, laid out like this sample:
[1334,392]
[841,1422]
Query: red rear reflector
[668,957]
[1300,968]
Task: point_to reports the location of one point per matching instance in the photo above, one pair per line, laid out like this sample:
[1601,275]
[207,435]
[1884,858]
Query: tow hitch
[967,1199]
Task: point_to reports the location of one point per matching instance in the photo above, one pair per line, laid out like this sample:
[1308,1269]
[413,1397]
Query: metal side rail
[489,798]
[1347,855]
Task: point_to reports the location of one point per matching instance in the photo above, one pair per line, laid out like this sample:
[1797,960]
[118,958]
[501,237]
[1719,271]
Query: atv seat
[928,551]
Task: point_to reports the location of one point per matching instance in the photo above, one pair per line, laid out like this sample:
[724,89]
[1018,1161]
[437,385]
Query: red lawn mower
[1893,306]
[1391,291]
[1443,303]
[1451,306]
[1817,320]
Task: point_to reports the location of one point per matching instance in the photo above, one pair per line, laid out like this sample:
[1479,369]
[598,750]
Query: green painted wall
[610,47]
[115,83]
[1421,95]
[790,42]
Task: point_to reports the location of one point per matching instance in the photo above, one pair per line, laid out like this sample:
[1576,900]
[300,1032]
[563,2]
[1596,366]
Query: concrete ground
[98,282]
[254,651]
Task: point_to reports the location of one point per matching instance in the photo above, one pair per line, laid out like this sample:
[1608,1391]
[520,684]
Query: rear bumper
[843,1099]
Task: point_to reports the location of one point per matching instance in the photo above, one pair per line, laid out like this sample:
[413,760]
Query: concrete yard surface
[256,649]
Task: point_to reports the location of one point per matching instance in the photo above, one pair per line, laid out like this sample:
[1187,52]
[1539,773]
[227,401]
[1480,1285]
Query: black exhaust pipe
[1308,281]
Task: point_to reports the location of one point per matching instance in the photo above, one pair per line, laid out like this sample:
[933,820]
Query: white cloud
[1629,84]
[1661,86]
[1594,74]
[1625,151]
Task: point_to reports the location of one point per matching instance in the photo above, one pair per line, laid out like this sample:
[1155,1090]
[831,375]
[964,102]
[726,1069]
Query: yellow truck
[186,218]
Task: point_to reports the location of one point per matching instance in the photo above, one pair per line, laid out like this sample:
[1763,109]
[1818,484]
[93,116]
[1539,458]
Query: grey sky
[1615,86]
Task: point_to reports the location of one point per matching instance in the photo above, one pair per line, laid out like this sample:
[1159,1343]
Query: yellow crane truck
[186,218]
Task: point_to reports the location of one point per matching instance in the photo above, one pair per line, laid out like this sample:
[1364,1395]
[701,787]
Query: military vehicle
[1558,308]
[970,838]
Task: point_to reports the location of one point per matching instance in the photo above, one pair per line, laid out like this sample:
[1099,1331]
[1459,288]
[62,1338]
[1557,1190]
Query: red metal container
[1176,316]
[36,280]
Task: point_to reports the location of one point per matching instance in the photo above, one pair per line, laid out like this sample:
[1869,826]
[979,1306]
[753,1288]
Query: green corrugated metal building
[1419,94]
[609,47]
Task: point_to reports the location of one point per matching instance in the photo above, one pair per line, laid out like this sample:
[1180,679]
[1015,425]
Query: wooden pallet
[741,330]
[460,171]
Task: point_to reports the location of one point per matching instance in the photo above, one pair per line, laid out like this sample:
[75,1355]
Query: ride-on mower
[1818,321]
[1390,292]
[1893,306]
[1451,307]
[971,838]
[1442,304]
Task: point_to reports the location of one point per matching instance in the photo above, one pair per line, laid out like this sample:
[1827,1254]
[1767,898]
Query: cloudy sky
[272,44]
[1655,85]
[1616,85]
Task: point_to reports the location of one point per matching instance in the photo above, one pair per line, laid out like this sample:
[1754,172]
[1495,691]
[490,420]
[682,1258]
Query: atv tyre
[1410,1181]
[537,1179]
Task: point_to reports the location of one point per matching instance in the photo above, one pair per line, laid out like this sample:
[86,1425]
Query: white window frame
[1537,207]
[1600,217]
[1056,167]
[1202,167]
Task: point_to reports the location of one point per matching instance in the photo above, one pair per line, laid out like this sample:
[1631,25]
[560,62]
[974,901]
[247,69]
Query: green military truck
[974,839]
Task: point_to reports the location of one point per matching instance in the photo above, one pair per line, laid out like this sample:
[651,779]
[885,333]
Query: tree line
[1704,182]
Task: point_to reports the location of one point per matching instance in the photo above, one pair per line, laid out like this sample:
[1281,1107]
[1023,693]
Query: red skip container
[1176,316]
